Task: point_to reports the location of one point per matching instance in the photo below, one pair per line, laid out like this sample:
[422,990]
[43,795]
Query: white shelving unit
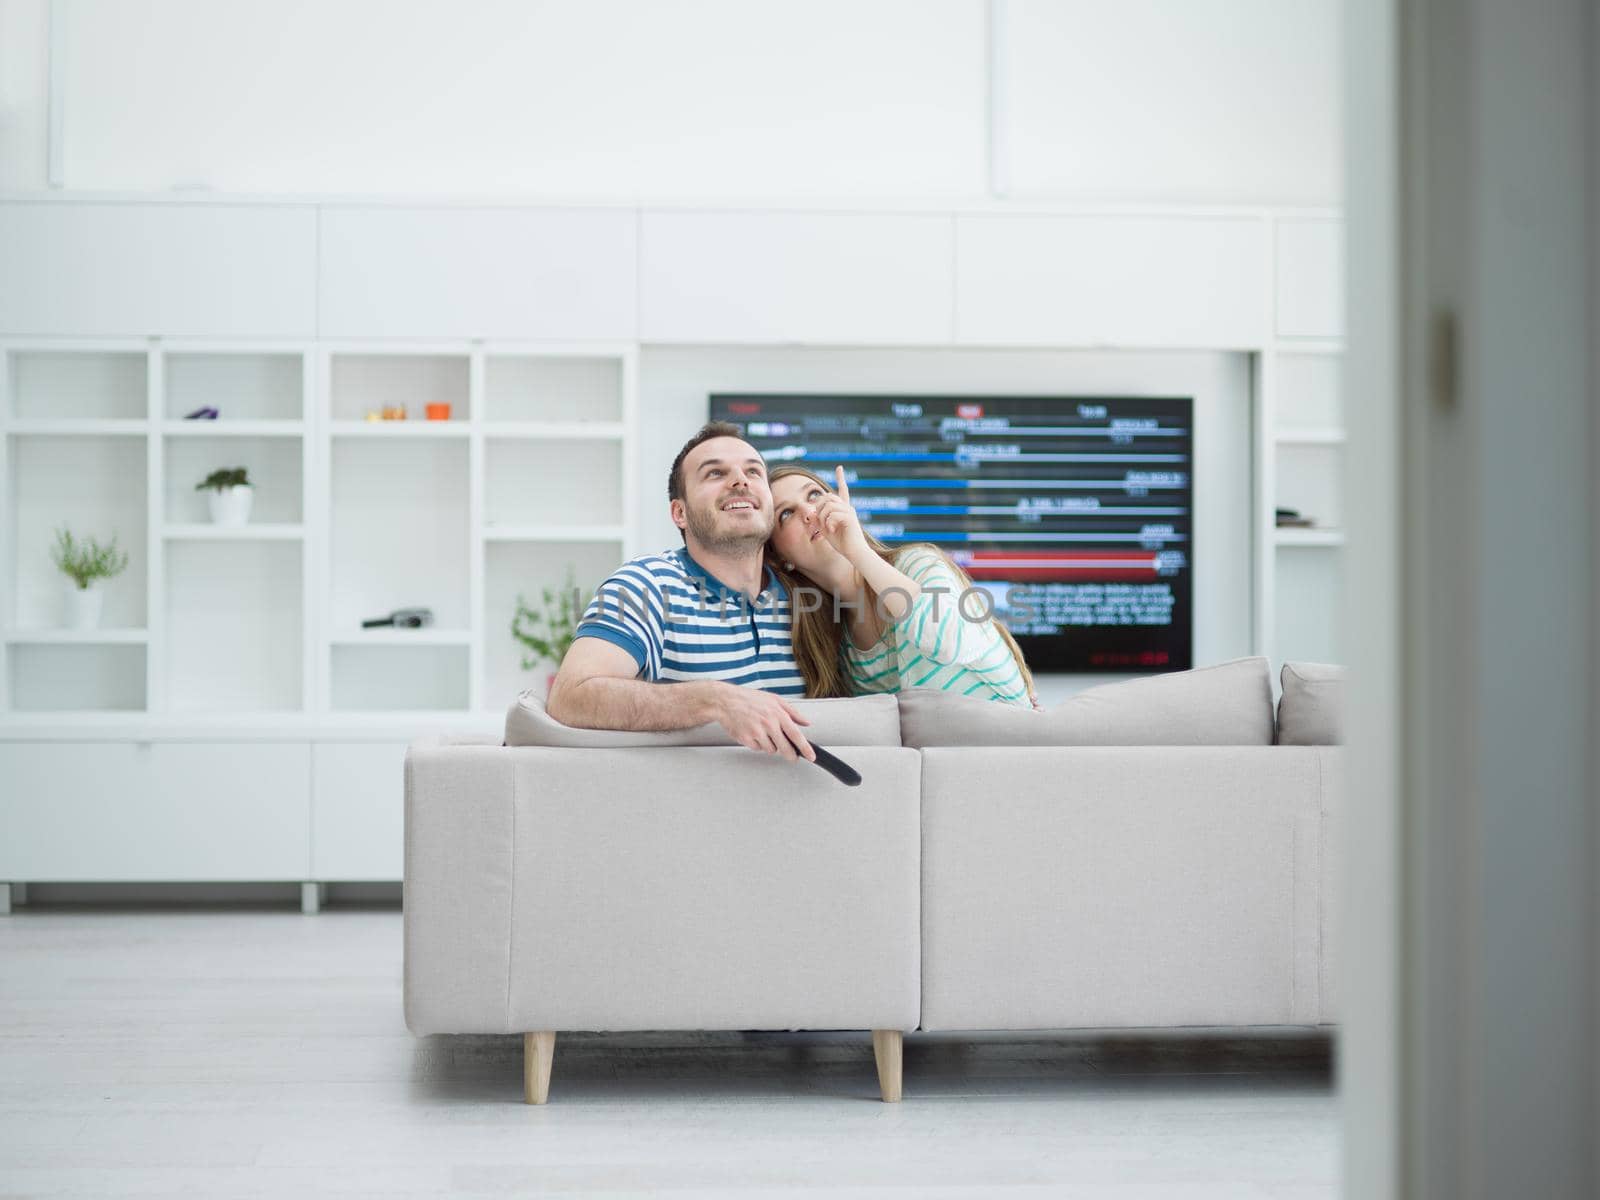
[555,432]
[1300,440]
[73,453]
[530,476]
[254,729]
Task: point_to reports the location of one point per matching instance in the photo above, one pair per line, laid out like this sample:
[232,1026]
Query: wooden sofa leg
[538,1052]
[886,1048]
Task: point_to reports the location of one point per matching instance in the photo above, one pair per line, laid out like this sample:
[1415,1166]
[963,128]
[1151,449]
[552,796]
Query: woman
[890,619]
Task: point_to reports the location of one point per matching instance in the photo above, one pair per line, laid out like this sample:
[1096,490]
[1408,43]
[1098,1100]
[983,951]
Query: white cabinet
[521,327]
[142,811]
[795,278]
[96,442]
[352,518]
[68,810]
[562,274]
[358,812]
[1047,280]
[1310,279]
[97,270]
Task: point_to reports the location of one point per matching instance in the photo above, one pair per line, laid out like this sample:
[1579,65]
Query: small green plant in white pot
[85,563]
[229,493]
[547,631]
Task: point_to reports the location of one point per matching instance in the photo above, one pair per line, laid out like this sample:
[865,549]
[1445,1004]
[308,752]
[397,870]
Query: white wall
[1174,100]
[24,79]
[675,385]
[1171,101]
[594,98]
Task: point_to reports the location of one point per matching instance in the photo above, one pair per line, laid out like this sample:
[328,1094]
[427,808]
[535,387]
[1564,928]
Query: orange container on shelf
[438,412]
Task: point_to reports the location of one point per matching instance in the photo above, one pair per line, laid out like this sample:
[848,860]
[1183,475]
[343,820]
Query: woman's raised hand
[840,524]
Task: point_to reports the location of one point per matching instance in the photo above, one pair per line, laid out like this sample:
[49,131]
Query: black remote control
[842,771]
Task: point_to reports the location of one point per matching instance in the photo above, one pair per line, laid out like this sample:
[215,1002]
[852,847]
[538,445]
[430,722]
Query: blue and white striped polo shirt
[682,623]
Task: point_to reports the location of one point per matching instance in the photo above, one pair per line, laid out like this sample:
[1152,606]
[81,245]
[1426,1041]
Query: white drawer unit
[358,811]
[155,811]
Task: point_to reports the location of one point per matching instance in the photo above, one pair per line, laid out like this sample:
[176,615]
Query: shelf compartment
[1308,392]
[95,486]
[529,387]
[242,386]
[1309,478]
[1307,606]
[527,568]
[393,678]
[79,385]
[360,382]
[565,483]
[275,466]
[77,676]
[399,531]
[233,626]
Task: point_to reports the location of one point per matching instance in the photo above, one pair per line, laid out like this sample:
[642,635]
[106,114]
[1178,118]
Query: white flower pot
[230,506]
[83,606]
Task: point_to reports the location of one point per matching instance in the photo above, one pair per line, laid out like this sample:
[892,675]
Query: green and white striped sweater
[934,646]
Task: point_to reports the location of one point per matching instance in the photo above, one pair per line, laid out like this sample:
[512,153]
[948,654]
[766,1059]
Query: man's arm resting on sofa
[597,688]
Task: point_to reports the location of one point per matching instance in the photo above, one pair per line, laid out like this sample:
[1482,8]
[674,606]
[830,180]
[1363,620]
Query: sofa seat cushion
[1311,712]
[1092,887]
[1229,704]
[860,721]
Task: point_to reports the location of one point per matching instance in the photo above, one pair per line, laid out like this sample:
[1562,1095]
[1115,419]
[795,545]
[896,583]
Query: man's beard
[703,524]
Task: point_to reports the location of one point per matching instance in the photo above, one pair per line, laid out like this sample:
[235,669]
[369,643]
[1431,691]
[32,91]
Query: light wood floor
[261,1053]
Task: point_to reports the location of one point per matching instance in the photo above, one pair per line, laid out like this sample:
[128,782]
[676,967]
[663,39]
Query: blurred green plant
[87,560]
[547,630]
[224,477]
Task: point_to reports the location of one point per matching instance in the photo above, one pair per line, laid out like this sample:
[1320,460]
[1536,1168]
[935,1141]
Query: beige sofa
[992,871]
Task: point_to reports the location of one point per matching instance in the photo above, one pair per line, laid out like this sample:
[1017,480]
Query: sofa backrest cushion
[859,721]
[1229,704]
[1311,711]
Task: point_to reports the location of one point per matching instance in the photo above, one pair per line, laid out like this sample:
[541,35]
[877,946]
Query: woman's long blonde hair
[819,639]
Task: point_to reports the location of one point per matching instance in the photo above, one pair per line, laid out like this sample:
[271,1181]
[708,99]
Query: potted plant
[547,631]
[230,495]
[85,563]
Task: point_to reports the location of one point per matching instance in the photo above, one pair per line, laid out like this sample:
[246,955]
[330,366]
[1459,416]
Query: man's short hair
[712,429]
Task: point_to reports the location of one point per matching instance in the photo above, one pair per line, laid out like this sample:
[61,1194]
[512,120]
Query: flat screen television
[1075,513]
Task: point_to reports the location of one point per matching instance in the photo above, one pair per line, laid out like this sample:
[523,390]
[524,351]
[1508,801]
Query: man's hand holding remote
[761,721]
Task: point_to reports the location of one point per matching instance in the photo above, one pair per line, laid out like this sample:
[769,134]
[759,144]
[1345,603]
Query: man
[708,618]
